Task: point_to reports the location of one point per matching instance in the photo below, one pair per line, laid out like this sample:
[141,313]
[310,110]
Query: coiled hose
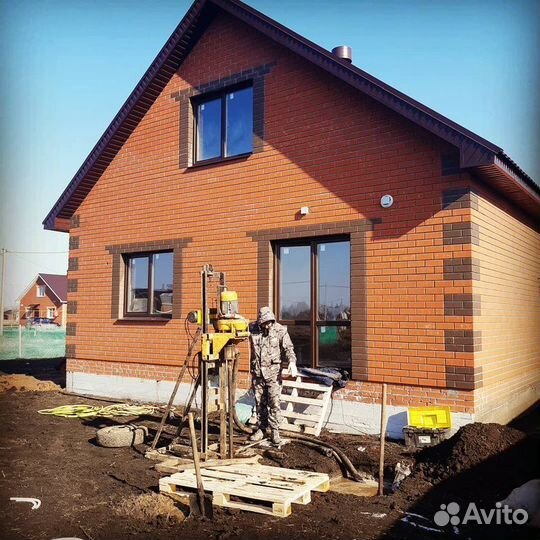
[306,440]
[88,411]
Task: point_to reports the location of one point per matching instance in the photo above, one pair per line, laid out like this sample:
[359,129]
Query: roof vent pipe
[344,52]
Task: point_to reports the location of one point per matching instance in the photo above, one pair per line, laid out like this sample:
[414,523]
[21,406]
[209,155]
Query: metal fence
[45,341]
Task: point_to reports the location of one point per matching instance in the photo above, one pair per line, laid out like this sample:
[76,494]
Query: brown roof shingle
[57,283]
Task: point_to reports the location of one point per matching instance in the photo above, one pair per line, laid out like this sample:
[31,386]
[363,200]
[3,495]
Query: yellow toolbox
[429,417]
[426,426]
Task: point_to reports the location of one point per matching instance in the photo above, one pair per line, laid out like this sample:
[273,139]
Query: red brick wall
[326,146]
[42,303]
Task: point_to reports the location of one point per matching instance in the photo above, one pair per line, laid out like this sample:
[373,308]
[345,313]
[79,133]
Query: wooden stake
[223,380]
[200,487]
[186,410]
[383,433]
[230,399]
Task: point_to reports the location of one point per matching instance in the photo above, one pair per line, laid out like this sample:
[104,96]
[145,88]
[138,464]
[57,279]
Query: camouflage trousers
[267,395]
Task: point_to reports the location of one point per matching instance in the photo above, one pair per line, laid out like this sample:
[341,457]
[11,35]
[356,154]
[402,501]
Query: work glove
[292,369]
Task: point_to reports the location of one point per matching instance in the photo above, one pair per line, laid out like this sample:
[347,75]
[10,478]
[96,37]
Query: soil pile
[151,508]
[470,446]
[25,383]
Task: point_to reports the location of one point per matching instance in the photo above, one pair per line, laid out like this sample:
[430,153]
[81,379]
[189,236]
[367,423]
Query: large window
[149,284]
[313,298]
[224,125]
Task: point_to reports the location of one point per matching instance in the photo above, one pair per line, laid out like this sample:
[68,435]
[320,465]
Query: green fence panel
[35,342]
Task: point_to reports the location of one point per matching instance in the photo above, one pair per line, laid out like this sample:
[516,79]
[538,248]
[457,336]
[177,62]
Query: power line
[34,263]
[36,252]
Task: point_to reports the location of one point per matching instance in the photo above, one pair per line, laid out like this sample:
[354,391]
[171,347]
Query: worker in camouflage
[270,343]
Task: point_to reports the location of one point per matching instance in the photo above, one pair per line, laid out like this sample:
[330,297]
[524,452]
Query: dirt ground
[98,493]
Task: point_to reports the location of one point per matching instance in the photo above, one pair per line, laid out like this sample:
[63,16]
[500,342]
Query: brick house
[45,297]
[251,148]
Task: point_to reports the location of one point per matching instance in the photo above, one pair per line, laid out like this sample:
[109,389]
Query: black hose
[327,452]
[346,462]
[338,454]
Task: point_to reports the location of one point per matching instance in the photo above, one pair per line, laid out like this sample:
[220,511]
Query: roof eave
[516,186]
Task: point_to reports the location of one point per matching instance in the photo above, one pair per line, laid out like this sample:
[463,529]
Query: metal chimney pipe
[344,52]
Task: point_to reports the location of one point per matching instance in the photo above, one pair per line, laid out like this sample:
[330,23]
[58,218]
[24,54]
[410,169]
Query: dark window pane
[209,130]
[335,346]
[138,285]
[301,338]
[334,260]
[239,135]
[163,283]
[295,276]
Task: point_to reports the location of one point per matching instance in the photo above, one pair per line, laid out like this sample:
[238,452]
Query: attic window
[40,291]
[224,125]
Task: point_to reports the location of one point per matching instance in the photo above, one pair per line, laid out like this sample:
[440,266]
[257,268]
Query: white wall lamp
[387,201]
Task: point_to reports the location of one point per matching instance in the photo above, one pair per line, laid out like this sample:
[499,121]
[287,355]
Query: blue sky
[68,65]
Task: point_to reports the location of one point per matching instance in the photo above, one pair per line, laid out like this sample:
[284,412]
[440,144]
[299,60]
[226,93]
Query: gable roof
[57,283]
[486,159]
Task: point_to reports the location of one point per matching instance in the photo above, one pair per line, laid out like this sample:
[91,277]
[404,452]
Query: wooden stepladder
[304,406]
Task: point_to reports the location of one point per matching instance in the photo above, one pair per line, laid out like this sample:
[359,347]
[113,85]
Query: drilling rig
[222,329]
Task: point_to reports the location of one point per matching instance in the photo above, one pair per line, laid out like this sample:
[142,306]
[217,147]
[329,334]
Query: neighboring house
[45,297]
[237,125]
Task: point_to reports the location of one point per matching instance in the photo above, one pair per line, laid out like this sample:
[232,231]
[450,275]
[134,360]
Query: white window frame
[41,288]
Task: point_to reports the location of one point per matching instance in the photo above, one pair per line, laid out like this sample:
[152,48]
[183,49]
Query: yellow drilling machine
[220,329]
[218,352]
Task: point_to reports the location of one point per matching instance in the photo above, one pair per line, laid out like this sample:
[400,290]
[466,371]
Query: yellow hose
[88,411]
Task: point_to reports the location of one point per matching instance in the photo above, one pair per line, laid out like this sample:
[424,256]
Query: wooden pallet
[251,487]
[175,465]
[301,413]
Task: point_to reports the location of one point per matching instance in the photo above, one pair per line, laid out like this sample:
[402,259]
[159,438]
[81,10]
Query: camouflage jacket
[267,352]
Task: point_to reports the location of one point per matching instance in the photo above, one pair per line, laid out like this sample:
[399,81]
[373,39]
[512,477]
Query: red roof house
[44,298]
